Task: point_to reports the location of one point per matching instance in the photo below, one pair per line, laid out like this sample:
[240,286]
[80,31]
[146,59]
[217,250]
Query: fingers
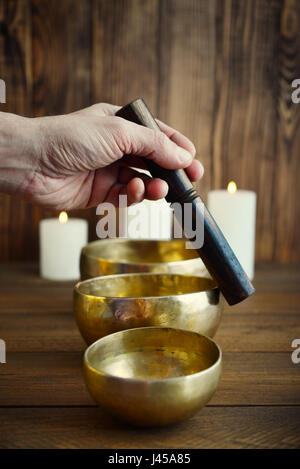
[136,191]
[156,189]
[126,174]
[109,185]
[137,140]
[177,137]
[167,148]
[140,186]
[195,171]
[104,180]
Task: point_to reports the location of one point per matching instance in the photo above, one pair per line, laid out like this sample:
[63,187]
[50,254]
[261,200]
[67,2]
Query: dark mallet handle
[216,253]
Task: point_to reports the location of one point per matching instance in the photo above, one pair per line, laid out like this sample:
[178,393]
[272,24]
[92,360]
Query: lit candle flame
[63,217]
[232,187]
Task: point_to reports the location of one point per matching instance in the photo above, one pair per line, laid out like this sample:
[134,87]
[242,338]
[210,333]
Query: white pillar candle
[235,213]
[61,240]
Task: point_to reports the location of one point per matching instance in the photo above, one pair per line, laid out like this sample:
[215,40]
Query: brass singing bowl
[104,305]
[119,255]
[153,376]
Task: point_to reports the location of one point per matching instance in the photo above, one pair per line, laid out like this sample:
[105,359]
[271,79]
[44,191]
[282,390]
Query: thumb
[138,140]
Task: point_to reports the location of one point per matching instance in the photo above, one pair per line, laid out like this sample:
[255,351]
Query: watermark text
[2,351]
[142,218]
[296,353]
[2,91]
[296,92]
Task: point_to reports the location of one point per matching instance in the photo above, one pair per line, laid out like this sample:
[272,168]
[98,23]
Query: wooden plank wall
[218,70]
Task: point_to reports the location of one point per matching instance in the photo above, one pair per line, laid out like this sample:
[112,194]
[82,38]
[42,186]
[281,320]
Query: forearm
[18,152]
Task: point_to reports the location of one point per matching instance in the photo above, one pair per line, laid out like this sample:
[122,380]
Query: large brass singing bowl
[108,304]
[117,256]
[153,376]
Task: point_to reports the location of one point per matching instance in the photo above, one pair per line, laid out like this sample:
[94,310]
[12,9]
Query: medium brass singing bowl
[119,255]
[104,305]
[153,376]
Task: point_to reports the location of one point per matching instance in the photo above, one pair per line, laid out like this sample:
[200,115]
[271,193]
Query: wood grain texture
[16,71]
[61,67]
[219,71]
[244,142]
[45,59]
[125,45]
[221,427]
[186,73]
[16,55]
[62,56]
[125,51]
[287,207]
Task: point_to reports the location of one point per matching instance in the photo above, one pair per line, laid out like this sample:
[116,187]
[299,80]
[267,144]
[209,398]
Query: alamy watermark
[296,92]
[2,91]
[296,353]
[192,221]
[2,351]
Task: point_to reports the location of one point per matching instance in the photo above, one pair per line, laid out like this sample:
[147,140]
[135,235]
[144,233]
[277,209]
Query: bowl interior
[144,285]
[140,251]
[152,353]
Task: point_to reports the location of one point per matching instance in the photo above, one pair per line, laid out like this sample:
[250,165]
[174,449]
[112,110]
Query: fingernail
[165,188]
[139,194]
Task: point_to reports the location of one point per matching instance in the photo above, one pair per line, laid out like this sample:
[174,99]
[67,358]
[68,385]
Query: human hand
[81,159]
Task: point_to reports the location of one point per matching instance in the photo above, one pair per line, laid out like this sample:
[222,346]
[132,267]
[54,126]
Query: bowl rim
[139,240]
[143,274]
[173,379]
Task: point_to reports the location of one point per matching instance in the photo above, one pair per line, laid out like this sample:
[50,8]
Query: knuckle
[114,125]
[161,139]
[119,129]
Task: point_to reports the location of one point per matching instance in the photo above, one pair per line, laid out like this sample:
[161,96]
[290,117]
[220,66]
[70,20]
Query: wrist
[19,152]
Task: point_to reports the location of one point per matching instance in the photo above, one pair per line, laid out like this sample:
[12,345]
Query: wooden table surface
[44,403]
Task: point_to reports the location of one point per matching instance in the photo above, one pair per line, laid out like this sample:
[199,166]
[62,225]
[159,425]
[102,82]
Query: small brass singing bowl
[153,376]
[104,305]
[119,255]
